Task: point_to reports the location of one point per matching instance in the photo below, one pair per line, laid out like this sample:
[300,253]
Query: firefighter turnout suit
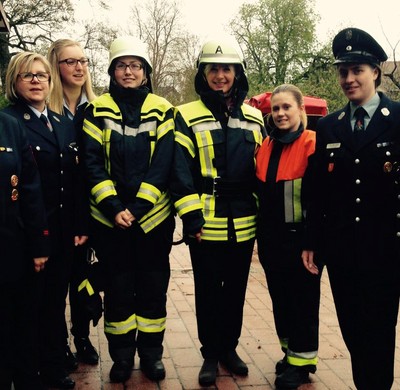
[282,190]
[128,155]
[214,173]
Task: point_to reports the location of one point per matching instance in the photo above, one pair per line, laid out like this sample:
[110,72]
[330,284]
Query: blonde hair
[298,97]
[22,62]
[56,98]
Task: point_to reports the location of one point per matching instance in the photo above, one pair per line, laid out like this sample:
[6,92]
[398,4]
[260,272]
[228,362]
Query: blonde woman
[72,91]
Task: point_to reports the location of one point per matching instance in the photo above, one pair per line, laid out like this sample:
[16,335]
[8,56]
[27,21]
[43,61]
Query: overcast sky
[207,18]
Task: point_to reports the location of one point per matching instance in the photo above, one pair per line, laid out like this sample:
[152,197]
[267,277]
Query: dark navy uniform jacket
[356,197]
[56,154]
[23,225]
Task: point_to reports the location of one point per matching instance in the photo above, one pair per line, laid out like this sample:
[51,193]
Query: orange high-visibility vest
[294,158]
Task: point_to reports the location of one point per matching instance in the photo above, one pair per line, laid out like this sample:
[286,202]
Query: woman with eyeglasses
[72,91]
[53,142]
[128,149]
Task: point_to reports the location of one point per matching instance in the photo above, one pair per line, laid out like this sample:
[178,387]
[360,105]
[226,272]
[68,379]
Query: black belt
[222,187]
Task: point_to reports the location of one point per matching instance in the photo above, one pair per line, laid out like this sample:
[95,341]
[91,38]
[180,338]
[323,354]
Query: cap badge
[349,48]
[349,35]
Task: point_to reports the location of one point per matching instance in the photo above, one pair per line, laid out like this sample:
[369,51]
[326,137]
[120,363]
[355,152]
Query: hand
[196,236]
[308,262]
[39,263]
[124,219]
[80,240]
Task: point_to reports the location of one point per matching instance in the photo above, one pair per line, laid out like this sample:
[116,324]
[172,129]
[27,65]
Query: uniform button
[61,155]
[358,219]
[398,215]
[62,172]
[332,154]
[358,200]
[61,206]
[388,153]
[62,189]
[398,234]
[357,161]
[358,181]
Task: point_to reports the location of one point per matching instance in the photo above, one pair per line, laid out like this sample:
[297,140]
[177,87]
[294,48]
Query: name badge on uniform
[335,145]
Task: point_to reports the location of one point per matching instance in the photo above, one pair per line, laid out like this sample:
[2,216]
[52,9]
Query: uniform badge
[14,195]
[2,148]
[341,116]
[330,167]
[385,111]
[27,116]
[14,180]
[56,119]
[387,167]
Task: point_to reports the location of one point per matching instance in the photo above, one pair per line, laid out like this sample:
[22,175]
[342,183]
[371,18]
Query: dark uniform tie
[359,114]
[44,119]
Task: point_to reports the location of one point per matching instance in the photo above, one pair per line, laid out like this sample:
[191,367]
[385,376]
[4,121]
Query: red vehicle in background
[315,107]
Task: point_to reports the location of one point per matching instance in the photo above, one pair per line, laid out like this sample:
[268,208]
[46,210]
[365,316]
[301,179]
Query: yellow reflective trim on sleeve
[165,128]
[149,325]
[188,203]
[86,284]
[103,190]
[92,131]
[186,142]
[121,327]
[161,210]
[148,192]
[98,216]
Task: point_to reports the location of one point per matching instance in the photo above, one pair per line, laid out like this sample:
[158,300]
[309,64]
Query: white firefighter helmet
[129,46]
[220,52]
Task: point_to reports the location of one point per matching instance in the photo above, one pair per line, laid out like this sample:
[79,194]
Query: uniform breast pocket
[211,149]
[44,155]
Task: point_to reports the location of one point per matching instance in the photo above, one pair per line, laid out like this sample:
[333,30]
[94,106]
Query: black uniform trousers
[136,271]
[220,272]
[367,304]
[80,318]
[19,360]
[295,292]
[53,328]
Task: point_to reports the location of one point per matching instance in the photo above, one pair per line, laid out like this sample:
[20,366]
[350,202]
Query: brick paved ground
[258,346]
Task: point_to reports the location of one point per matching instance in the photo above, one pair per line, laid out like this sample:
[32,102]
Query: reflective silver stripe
[236,123]
[204,126]
[148,325]
[186,142]
[292,200]
[112,125]
[121,327]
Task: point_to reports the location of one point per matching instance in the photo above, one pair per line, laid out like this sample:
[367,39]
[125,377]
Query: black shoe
[208,372]
[234,364]
[292,377]
[71,363]
[281,366]
[85,352]
[63,382]
[121,371]
[153,369]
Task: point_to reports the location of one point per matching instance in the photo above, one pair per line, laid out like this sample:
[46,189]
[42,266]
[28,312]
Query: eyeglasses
[133,66]
[28,77]
[73,61]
